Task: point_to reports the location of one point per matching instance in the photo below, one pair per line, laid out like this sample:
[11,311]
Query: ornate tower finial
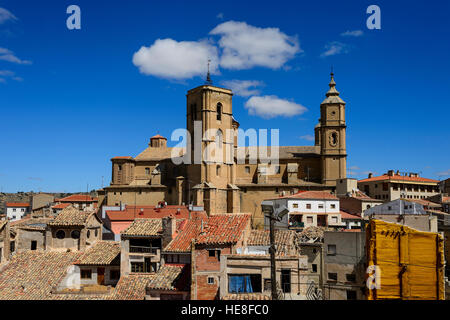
[208,75]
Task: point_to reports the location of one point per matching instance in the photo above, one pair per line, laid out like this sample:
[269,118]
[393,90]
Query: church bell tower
[332,129]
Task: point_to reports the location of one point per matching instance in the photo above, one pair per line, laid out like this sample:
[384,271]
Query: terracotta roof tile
[284,240]
[144,227]
[132,287]
[223,228]
[61,206]
[17,204]
[312,195]
[174,277]
[101,253]
[396,177]
[71,216]
[346,215]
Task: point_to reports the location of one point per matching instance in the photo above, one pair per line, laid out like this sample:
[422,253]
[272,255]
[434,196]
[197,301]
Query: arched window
[88,235]
[219,111]
[60,234]
[75,234]
[218,170]
[147,171]
[96,232]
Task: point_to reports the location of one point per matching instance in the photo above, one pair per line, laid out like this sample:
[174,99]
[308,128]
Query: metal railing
[138,249]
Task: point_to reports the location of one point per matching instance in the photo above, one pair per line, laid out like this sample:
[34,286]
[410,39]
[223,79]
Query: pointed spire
[208,75]
[332,94]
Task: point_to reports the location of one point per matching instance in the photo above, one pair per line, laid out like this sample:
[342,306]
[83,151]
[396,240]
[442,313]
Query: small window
[333,206]
[60,234]
[219,111]
[212,253]
[210,280]
[314,268]
[308,206]
[218,170]
[22,210]
[147,171]
[295,205]
[320,205]
[119,167]
[33,245]
[247,170]
[351,277]
[75,234]
[389,208]
[332,276]
[277,169]
[368,206]
[86,273]
[309,220]
[14,210]
[331,250]
[88,233]
[96,232]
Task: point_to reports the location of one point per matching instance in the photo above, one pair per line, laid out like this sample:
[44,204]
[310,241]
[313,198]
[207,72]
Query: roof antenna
[208,75]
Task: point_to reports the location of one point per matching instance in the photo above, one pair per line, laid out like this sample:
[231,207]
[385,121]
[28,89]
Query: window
[194,111]
[75,234]
[147,171]
[218,170]
[321,206]
[114,274]
[245,283]
[88,233]
[277,169]
[14,210]
[309,220]
[286,280]
[60,234]
[96,232]
[351,295]
[219,111]
[314,268]
[368,206]
[120,167]
[333,206]
[22,210]
[308,206]
[295,205]
[212,253]
[389,208]
[351,277]
[33,245]
[86,273]
[267,284]
[334,220]
[332,276]
[331,250]
[210,280]
[247,170]
[137,267]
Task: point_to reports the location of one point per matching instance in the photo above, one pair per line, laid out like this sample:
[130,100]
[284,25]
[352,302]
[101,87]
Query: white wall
[15,213]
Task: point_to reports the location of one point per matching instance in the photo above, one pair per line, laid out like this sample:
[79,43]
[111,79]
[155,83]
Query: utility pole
[273,273]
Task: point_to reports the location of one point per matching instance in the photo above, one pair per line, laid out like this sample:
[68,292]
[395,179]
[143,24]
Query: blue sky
[72,99]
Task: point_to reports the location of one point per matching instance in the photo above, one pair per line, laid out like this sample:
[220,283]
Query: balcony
[139,249]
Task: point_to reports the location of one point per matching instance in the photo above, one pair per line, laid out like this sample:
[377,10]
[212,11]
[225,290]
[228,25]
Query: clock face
[333,138]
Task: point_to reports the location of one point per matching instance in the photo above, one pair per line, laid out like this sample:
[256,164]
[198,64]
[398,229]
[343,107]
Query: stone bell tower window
[333,139]
[219,111]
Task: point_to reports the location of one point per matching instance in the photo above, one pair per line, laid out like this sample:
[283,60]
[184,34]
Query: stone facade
[220,183]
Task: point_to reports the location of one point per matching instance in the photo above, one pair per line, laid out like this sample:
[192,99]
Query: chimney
[370,175]
[169,226]
[398,172]
[390,173]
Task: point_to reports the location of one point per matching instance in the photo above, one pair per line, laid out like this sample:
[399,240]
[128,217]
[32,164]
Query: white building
[309,208]
[16,210]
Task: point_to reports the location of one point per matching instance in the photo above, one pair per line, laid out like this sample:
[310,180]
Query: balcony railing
[137,249]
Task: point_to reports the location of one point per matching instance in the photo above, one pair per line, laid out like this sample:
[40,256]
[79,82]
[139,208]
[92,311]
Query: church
[230,186]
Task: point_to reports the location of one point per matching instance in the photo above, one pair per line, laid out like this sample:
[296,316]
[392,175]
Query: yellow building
[229,185]
[405,263]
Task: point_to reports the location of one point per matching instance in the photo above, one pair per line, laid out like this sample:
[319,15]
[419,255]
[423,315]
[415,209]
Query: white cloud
[272,106]
[9,74]
[8,55]
[167,58]
[354,33]
[245,46]
[443,173]
[243,88]
[354,168]
[308,137]
[220,16]
[6,73]
[6,15]
[333,48]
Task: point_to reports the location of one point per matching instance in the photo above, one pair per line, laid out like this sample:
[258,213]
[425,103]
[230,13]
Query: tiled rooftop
[132,287]
[101,253]
[174,277]
[144,227]
[397,177]
[31,275]
[77,198]
[312,195]
[71,216]
[223,228]
[284,240]
[17,204]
